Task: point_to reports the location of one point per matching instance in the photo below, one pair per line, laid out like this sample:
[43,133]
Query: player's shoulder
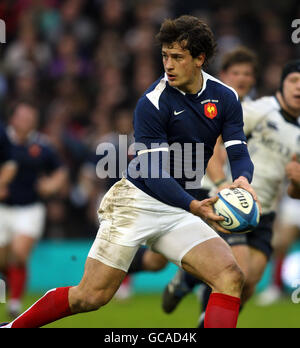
[263,105]
[154,96]
[218,88]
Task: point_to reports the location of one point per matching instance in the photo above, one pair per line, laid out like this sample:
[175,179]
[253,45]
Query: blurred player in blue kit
[186,105]
[39,175]
[7,164]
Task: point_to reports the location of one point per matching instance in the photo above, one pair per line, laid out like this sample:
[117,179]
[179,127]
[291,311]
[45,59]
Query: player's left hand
[292,170]
[44,187]
[204,209]
[243,183]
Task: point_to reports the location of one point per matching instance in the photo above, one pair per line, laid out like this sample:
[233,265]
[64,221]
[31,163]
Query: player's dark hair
[11,109]
[240,55]
[25,101]
[290,67]
[191,33]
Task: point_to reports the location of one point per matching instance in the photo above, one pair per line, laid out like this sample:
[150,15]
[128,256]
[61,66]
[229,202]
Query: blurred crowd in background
[86,62]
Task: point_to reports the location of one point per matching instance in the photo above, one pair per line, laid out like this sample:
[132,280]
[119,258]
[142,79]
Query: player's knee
[231,280]
[250,286]
[90,301]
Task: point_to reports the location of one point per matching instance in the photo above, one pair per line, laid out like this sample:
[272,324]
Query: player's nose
[168,64]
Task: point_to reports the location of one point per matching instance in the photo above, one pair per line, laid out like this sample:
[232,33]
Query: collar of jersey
[12,136]
[204,77]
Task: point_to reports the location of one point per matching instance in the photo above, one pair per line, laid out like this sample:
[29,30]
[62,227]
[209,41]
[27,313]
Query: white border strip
[234,142]
[141,152]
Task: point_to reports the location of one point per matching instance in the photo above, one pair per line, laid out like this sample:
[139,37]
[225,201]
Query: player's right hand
[205,210]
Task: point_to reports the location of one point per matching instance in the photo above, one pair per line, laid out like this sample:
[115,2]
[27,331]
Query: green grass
[144,311]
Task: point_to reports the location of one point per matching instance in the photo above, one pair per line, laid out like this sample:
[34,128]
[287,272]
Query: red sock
[52,306]
[222,311]
[277,272]
[16,280]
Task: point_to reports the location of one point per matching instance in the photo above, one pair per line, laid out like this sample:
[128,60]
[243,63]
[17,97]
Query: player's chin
[295,104]
[173,83]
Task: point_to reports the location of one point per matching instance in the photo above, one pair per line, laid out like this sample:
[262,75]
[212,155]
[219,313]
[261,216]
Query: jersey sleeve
[233,123]
[235,142]
[150,124]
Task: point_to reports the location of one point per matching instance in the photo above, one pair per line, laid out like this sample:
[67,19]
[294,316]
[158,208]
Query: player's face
[239,76]
[24,120]
[291,92]
[182,69]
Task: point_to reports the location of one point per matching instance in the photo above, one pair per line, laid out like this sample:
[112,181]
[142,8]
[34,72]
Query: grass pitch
[144,311]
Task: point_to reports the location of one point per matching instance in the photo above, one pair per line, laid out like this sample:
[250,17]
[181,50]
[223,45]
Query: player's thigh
[153,261]
[242,256]
[21,247]
[4,257]
[183,231]
[257,266]
[283,237]
[212,261]
[196,247]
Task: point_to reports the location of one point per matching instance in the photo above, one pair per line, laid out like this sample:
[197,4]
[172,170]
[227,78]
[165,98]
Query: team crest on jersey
[34,150]
[210,110]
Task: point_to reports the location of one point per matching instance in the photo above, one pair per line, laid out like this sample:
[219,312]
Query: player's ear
[200,60]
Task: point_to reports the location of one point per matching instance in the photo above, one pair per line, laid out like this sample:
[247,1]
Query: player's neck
[198,83]
[19,137]
[195,86]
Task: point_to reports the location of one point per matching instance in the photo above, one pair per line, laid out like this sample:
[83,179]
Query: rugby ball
[239,209]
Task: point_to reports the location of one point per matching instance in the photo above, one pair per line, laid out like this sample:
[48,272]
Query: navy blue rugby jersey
[34,158]
[5,146]
[165,114]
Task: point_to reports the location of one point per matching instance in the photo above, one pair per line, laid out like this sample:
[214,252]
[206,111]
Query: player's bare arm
[7,173]
[49,185]
[293,174]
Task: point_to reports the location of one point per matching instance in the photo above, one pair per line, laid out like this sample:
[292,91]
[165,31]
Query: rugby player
[40,174]
[239,69]
[7,164]
[186,105]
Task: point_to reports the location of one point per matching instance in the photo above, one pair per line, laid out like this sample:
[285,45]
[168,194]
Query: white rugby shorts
[26,220]
[130,218]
